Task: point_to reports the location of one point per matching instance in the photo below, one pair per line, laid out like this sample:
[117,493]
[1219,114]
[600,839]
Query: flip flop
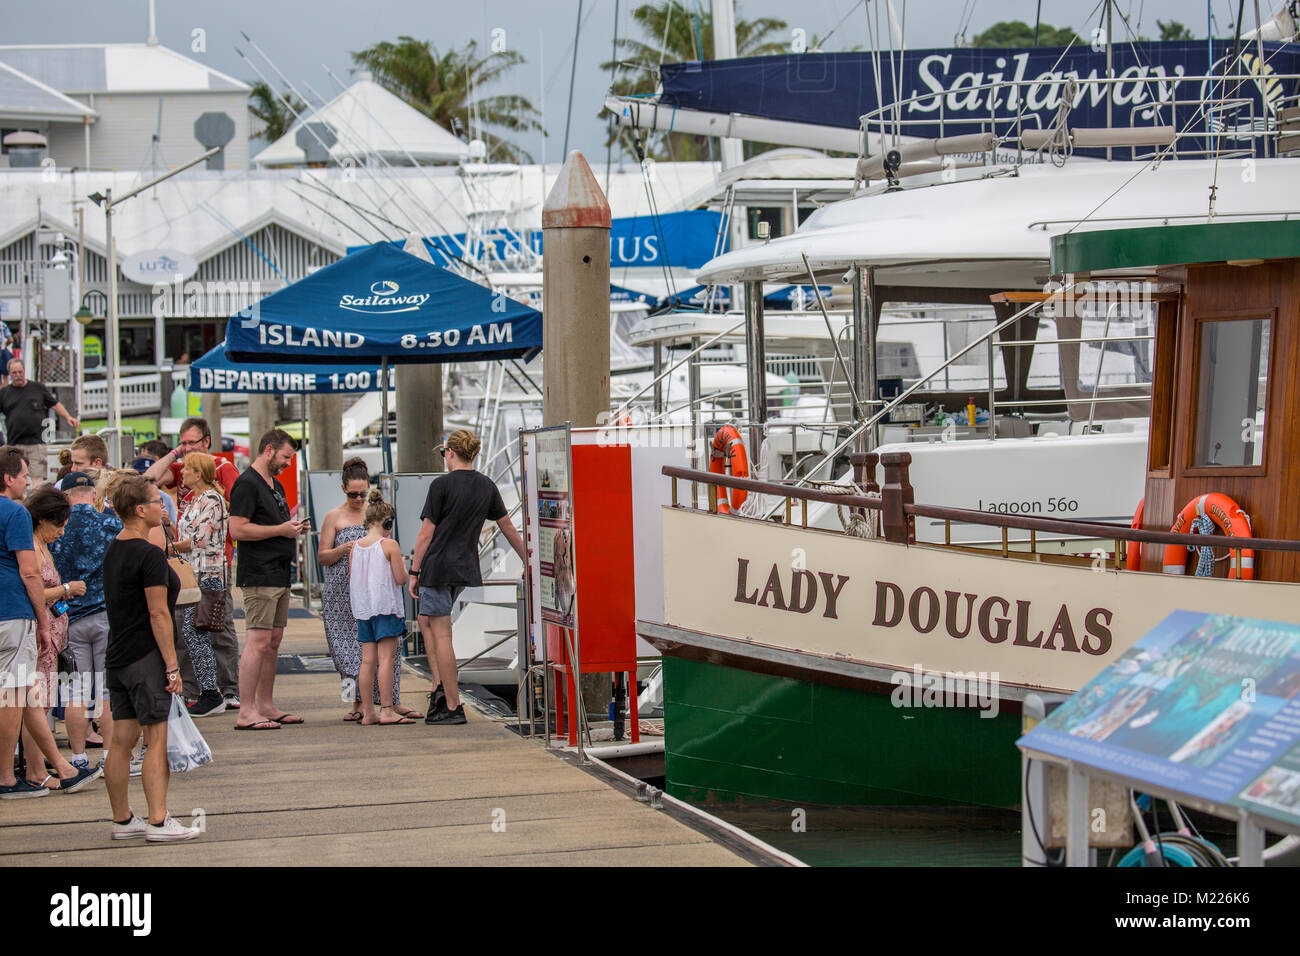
[352,716]
[42,784]
[389,723]
[412,714]
[259,725]
[287,719]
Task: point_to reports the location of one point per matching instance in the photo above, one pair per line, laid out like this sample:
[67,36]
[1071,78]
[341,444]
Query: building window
[1231,393]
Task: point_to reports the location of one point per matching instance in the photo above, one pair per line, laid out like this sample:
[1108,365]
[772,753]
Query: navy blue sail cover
[836,89]
[378,303]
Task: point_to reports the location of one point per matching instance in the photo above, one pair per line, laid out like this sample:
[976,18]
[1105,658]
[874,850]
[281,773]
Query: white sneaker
[129,831]
[137,762]
[171,829]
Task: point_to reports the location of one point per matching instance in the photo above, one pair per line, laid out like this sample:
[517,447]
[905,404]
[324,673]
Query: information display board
[549,504]
[1203,704]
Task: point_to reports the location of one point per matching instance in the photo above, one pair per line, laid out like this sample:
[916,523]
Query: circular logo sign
[159,265]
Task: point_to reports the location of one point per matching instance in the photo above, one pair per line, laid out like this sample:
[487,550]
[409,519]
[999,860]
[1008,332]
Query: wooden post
[895,494]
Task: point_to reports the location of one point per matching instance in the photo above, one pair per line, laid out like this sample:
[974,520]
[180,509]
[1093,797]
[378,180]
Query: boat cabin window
[1231,392]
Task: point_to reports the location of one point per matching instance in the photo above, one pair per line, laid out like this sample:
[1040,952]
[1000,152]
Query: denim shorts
[437,601]
[380,626]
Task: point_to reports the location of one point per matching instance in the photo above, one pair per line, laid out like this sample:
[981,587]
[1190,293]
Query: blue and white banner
[684,240]
[215,372]
[947,91]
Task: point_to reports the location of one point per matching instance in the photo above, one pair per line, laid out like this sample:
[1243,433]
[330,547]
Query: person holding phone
[267,538]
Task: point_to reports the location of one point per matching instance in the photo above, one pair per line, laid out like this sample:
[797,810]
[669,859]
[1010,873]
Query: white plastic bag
[186,748]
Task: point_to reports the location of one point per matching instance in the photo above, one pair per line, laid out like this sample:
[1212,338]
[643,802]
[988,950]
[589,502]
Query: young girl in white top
[377,576]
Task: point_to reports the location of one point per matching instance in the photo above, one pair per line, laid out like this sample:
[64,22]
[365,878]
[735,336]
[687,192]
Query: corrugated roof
[369,120]
[115,68]
[23,96]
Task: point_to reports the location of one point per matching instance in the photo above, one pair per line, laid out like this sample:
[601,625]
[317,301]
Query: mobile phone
[59,607]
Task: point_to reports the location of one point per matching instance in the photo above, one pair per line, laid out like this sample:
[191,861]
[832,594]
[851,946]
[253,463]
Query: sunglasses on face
[355,494]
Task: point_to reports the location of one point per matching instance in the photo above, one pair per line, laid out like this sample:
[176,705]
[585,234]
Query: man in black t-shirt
[266,537]
[24,404]
[446,560]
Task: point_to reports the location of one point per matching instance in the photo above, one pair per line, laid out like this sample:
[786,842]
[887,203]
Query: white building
[144,100]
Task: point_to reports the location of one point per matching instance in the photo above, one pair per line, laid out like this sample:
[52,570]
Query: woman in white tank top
[376,578]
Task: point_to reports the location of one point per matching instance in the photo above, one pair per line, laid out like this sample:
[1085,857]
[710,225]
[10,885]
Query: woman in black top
[140,592]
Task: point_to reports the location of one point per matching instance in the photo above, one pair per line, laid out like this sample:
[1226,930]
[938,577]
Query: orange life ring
[728,454]
[1225,513]
[1133,560]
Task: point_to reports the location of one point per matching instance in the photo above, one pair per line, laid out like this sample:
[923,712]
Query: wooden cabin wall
[1271,498]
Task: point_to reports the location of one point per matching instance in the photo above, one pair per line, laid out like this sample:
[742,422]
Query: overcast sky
[301,35]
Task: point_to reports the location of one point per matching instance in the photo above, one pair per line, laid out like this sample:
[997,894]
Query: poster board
[1206,705]
[548,515]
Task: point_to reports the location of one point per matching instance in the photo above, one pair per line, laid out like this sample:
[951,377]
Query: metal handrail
[901,397]
[676,365]
[1082,529]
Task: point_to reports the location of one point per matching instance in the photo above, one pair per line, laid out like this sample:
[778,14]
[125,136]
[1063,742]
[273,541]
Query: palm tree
[675,34]
[277,112]
[447,88]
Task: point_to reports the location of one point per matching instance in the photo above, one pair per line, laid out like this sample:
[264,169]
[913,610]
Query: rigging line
[852,7]
[875,68]
[357,208]
[573,73]
[609,123]
[1233,63]
[663,43]
[559,70]
[1157,158]
[358,159]
[316,112]
[294,90]
[346,225]
[432,213]
[235,230]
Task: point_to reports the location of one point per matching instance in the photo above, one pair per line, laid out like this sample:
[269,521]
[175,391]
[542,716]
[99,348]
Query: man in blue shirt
[79,556]
[23,619]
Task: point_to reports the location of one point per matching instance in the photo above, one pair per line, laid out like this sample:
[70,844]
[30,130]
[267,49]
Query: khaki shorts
[17,653]
[37,463]
[265,608]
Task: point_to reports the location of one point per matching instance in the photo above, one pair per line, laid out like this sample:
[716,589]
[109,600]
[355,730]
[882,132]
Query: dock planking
[332,793]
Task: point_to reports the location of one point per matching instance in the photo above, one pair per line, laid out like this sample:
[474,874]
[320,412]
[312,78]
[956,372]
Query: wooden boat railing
[898,512]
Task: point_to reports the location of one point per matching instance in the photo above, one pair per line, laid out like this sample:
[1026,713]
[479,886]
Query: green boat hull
[736,737]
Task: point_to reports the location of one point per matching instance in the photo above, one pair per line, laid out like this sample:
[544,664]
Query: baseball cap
[76,479]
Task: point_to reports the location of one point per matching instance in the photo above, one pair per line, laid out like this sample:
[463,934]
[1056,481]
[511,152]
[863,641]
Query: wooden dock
[329,792]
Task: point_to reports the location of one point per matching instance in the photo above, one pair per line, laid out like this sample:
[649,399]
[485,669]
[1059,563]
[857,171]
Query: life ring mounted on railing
[727,454]
[1229,517]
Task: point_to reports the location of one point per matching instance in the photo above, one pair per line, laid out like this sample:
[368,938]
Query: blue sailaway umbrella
[384,304]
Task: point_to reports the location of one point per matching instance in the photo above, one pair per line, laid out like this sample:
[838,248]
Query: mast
[724,48]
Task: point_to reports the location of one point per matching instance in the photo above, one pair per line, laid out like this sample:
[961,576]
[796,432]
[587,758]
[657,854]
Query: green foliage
[276,112]
[674,33]
[448,88]
[1173,30]
[1007,33]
